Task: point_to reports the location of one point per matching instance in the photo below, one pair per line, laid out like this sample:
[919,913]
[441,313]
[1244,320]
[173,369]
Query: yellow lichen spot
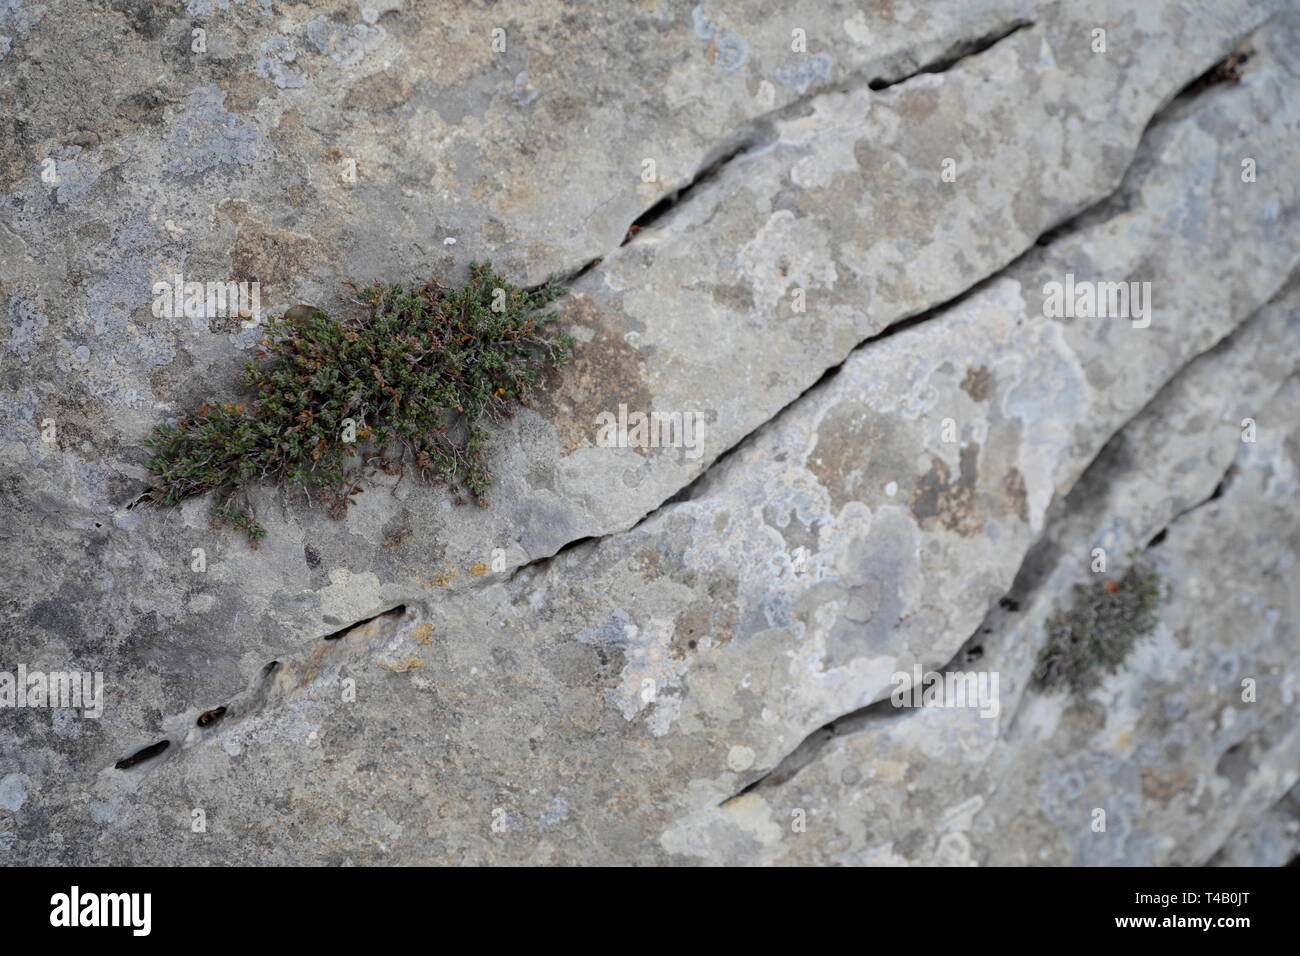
[410,664]
[442,578]
[478,570]
[421,633]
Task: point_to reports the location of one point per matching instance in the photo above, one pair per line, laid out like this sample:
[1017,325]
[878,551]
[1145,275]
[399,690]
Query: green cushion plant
[1095,635]
[407,381]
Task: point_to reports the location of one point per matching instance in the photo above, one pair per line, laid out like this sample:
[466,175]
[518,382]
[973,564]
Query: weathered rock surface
[1167,747]
[1272,839]
[603,704]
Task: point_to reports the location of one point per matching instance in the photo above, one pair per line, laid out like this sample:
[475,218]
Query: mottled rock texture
[830,234]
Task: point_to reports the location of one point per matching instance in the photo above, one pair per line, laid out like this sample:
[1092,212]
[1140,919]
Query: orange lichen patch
[410,664]
[422,632]
[478,570]
[442,578]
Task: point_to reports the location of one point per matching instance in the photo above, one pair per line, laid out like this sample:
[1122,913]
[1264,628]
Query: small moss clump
[1095,635]
[407,381]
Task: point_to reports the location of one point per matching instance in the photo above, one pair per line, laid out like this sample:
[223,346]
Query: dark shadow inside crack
[959,51]
[210,717]
[710,170]
[342,632]
[141,755]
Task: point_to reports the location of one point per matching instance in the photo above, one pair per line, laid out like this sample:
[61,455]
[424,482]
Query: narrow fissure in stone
[955,54]
[666,204]
[342,632]
[141,755]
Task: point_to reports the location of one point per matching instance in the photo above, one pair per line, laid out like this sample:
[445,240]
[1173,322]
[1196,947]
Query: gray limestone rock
[851,244]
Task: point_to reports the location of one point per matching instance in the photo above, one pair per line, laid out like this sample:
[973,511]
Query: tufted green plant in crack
[407,382]
[1095,635]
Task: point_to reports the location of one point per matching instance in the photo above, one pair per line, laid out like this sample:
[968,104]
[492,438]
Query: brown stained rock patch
[244,91]
[334,159]
[689,627]
[273,258]
[1161,787]
[14,151]
[395,538]
[543,252]
[515,197]
[713,615]
[96,230]
[850,438]
[1013,482]
[82,426]
[896,200]
[498,233]
[937,497]
[1081,721]
[700,620]
[167,380]
[290,133]
[918,105]
[978,383]
[650,562]
[224,324]
[736,298]
[605,371]
[724,589]
[378,93]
